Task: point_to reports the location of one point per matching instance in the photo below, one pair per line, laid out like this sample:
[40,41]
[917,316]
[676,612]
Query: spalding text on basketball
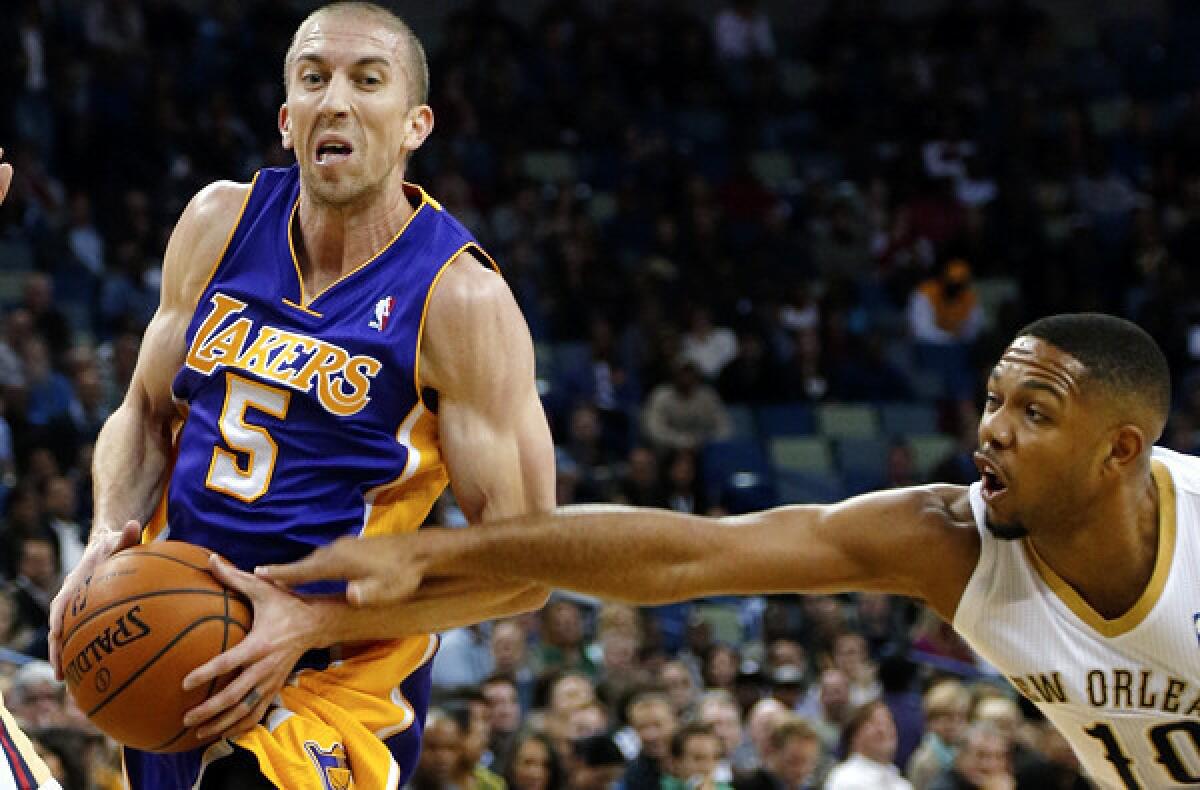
[127,629]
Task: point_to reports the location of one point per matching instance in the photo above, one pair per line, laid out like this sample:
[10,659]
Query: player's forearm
[636,555]
[438,605]
[129,468]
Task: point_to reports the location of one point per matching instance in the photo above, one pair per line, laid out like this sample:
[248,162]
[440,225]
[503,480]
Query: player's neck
[332,241]
[1109,554]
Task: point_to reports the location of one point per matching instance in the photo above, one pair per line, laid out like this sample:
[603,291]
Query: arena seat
[847,420]
[903,419]
[802,454]
[786,419]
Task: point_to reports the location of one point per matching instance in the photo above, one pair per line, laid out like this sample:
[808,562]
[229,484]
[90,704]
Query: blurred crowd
[761,262]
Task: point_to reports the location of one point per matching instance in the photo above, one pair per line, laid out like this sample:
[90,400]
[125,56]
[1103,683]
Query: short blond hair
[416,62]
[946,696]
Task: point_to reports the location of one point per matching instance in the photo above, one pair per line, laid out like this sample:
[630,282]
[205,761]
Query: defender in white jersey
[20,766]
[1073,564]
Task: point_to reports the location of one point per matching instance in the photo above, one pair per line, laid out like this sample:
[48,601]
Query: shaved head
[412,60]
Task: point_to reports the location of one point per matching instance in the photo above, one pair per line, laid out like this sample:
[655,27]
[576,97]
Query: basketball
[134,630]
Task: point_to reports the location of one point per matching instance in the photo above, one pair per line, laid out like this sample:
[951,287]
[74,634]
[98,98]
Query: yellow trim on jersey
[355,703]
[425,310]
[228,240]
[304,300]
[1158,579]
[302,308]
[157,522]
[403,504]
[40,772]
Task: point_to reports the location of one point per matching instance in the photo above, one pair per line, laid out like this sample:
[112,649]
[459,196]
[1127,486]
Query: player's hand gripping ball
[132,631]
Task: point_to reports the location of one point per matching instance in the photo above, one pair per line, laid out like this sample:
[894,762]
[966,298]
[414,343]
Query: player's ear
[417,126]
[1128,443]
[285,127]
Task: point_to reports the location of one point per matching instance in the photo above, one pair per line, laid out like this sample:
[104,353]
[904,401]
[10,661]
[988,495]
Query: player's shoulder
[468,291]
[200,236]
[1184,469]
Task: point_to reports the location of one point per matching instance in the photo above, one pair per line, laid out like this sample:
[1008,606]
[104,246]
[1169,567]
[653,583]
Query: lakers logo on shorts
[330,764]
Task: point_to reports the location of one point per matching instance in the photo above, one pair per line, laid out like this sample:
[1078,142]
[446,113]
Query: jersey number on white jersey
[1167,740]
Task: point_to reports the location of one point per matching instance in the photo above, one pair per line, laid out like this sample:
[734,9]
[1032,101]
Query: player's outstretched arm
[6,174]
[917,542]
[133,449]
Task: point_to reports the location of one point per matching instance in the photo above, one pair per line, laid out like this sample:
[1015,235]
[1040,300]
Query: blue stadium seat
[720,461]
[802,488]
[847,420]
[809,454]
[744,424]
[786,419]
[865,458]
[902,419]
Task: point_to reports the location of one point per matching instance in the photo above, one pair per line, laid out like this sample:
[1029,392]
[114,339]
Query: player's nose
[336,98]
[995,429]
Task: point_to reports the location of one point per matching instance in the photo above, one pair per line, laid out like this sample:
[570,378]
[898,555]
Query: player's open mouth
[332,151]
[994,482]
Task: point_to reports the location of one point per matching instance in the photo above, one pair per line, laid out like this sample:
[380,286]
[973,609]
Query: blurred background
[767,251]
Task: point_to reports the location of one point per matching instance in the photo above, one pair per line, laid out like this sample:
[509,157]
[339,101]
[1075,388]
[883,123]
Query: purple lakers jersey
[304,421]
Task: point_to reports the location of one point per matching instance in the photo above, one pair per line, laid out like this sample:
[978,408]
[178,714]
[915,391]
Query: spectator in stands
[60,518]
[534,765]
[792,761]
[850,655]
[49,392]
[679,683]
[685,413]
[946,705]
[870,744]
[695,753]
[641,485]
[719,710]
[36,585]
[596,764]
[36,699]
[707,346]
[721,664]
[1058,768]
[833,707]
[15,634]
[981,764]
[510,658]
[685,493]
[463,657]
[49,322]
[504,715]
[751,376]
[652,718]
[761,721]
[443,762]
[562,642]
[945,310]
[743,31]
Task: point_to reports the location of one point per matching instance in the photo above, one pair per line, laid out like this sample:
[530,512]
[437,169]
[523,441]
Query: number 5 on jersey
[225,473]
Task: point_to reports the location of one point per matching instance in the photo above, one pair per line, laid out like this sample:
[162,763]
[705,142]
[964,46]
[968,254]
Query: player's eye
[992,402]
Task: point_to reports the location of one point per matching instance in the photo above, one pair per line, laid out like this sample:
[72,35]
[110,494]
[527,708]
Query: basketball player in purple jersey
[330,349]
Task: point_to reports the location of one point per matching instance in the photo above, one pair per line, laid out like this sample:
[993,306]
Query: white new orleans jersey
[1124,692]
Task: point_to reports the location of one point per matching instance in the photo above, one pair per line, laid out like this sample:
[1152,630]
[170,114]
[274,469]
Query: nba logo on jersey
[331,764]
[383,311]
[1196,625]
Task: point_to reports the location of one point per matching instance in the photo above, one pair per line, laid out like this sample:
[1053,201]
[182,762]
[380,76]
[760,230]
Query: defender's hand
[6,172]
[283,630]
[99,548]
[380,570]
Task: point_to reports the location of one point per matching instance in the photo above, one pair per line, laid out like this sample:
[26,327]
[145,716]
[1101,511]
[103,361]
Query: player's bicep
[479,357]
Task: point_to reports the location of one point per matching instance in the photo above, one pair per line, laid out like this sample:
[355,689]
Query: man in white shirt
[871,734]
